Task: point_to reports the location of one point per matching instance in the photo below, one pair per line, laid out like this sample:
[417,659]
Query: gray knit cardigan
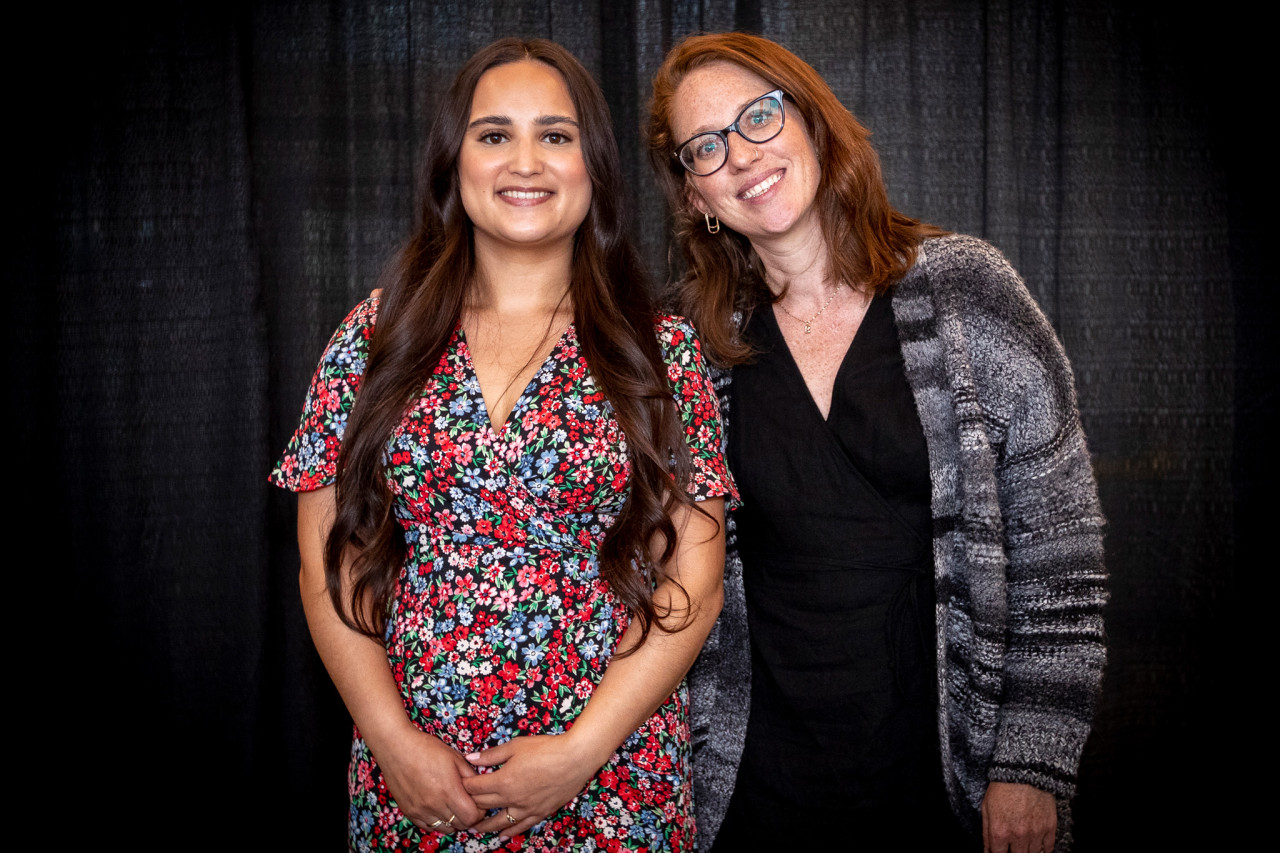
[1017,546]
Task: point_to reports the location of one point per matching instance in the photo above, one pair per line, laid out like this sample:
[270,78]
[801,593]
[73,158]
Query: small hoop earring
[713,223]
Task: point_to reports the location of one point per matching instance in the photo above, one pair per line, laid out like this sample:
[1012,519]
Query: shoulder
[682,352]
[349,345]
[359,322]
[1011,352]
[971,283]
[960,262]
[678,339]
[673,329]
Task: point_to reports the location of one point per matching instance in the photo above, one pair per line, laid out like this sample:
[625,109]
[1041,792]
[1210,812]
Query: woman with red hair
[911,642]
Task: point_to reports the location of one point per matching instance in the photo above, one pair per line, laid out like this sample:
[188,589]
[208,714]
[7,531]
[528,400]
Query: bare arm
[422,773]
[543,772]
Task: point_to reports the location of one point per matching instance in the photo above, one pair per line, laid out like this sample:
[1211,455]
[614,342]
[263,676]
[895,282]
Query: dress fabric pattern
[501,624]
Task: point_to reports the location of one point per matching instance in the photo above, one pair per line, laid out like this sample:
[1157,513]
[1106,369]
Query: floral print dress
[501,625]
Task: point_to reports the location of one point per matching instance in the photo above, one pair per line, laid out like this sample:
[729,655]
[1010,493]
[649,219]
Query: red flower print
[487,642]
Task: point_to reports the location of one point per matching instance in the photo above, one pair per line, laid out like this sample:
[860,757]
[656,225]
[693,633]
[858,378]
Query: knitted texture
[1017,544]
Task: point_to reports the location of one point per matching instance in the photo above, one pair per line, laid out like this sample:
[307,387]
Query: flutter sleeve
[311,460]
[699,410]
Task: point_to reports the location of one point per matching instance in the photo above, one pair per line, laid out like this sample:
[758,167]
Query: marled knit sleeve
[1052,531]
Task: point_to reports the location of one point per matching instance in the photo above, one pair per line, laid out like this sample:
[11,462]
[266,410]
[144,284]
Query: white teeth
[763,185]
[520,194]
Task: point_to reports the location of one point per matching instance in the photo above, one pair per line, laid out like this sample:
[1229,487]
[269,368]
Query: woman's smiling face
[765,191]
[521,172]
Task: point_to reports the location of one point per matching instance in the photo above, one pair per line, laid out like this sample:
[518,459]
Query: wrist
[387,734]
[587,750]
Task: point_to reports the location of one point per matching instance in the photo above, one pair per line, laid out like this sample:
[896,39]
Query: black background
[200,194]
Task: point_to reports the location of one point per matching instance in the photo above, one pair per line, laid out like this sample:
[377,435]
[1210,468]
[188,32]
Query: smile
[523,195]
[763,186]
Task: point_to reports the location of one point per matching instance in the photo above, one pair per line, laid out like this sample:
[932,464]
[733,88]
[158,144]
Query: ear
[694,198]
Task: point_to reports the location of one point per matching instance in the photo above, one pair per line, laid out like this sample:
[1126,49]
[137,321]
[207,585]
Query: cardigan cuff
[1040,749]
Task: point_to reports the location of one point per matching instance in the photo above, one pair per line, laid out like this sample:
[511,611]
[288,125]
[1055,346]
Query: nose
[526,157]
[742,153]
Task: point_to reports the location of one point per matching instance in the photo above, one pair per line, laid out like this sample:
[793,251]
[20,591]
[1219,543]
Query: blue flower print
[540,625]
[547,461]
[500,625]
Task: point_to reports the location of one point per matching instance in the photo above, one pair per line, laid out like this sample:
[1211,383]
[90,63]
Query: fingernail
[473,756]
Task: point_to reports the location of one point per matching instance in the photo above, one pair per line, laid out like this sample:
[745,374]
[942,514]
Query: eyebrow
[505,121]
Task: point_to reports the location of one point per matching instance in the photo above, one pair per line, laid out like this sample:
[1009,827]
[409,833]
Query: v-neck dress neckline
[783,349]
[868,454]
[482,405]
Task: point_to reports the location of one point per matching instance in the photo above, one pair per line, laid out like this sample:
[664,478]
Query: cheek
[806,151]
[467,173]
[470,199]
[474,180]
[578,179]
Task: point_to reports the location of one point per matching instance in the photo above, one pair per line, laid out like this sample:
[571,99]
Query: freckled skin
[781,222]
[709,98]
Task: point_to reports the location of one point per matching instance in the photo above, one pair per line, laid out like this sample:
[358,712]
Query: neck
[797,263]
[520,280]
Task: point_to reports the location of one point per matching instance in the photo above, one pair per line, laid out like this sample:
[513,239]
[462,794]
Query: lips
[761,187]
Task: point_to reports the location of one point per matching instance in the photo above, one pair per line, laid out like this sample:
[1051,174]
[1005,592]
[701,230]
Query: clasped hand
[538,775]
[426,777]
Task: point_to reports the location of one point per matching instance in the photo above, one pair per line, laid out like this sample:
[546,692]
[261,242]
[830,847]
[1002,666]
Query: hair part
[424,292]
[871,245]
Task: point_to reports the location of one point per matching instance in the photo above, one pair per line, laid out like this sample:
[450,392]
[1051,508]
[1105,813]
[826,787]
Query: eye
[762,113]
[706,148]
[492,137]
[556,137]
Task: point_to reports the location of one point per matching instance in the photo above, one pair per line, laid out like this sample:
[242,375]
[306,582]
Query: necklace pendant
[807,328]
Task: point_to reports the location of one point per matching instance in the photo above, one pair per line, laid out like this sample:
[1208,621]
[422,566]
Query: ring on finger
[511,818]
[439,822]
[449,822]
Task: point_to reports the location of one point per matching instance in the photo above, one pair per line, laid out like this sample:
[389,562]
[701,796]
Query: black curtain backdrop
[203,192]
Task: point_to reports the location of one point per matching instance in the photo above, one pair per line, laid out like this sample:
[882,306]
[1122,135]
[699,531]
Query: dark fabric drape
[205,191]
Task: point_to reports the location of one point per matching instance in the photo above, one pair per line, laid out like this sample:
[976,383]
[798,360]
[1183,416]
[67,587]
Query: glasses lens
[761,121]
[703,154]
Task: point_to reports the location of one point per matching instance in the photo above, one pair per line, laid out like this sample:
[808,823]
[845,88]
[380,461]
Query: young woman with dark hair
[503,561]
[903,428]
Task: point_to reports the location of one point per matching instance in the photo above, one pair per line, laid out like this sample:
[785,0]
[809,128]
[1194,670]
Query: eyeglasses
[761,121]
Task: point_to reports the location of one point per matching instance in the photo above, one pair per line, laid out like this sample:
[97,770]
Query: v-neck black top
[835,537]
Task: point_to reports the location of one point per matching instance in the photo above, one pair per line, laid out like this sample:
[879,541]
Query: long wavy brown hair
[424,292]
[870,243]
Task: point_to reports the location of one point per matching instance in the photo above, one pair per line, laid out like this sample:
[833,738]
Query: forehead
[711,96]
[522,88]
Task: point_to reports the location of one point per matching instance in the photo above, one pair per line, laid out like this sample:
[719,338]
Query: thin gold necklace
[808,324]
[533,356]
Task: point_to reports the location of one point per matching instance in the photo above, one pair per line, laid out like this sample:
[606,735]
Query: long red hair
[871,245]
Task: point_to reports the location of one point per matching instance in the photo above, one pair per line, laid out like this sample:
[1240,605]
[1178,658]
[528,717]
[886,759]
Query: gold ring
[449,822]
[511,819]
[434,825]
